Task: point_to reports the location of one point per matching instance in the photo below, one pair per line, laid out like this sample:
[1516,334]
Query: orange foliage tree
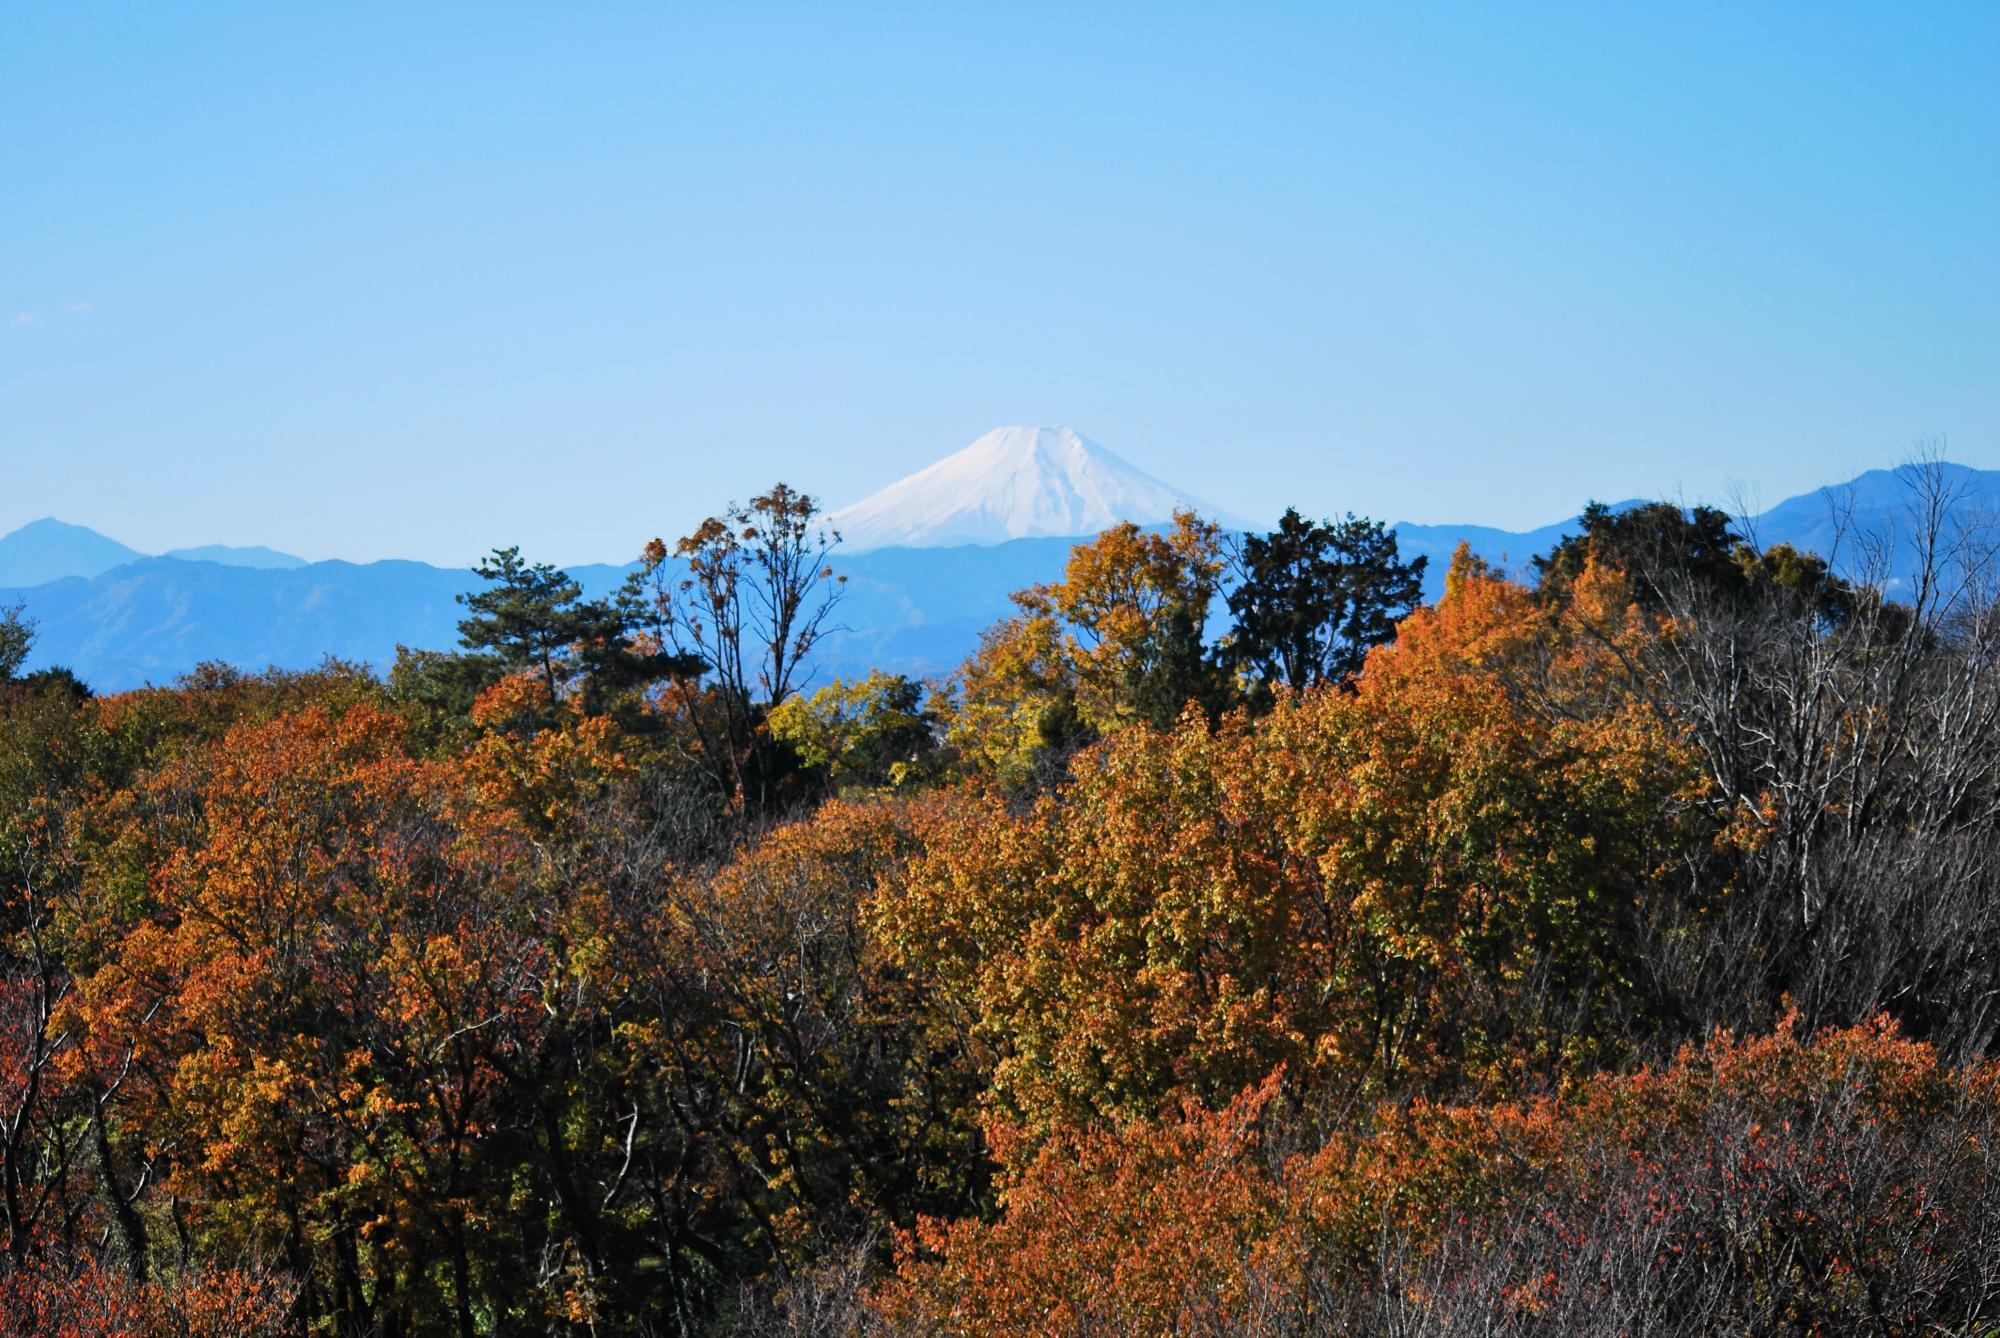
[1420,882]
[308,1022]
[1846,1184]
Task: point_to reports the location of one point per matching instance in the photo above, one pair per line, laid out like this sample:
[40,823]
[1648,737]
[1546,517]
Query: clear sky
[414,280]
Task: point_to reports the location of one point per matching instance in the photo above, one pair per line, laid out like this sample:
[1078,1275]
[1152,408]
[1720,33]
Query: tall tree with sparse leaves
[749,595]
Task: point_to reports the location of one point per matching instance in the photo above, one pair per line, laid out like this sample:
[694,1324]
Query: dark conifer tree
[1314,596]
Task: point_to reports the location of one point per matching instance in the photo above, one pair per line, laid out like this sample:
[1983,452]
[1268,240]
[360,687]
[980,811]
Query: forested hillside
[1607,950]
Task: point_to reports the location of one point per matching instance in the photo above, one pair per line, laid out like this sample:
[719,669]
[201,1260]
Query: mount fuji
[1013,483]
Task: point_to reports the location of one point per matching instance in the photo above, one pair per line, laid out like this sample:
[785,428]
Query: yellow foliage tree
[1076,659]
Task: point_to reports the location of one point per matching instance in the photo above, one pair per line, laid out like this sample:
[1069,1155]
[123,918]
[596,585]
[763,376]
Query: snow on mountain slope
[1012,483]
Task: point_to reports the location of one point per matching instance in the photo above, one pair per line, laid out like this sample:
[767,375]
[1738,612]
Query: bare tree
[750,593]
[1851,747]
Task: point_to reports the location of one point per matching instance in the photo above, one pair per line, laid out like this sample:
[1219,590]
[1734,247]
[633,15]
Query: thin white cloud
[23,319]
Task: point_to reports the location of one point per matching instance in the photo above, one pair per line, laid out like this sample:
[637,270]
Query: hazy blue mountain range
[121,619]
[254,556]
[915,610]
[49,549]
[1847,521]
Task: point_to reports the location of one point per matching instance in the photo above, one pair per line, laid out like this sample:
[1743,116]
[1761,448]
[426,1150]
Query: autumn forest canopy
[1234,945]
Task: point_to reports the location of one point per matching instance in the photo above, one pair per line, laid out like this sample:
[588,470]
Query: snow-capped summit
[1012,483]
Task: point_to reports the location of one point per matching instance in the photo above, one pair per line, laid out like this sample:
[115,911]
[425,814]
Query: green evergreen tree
[1315,596]
[530,616]
[1645,542]
[1174,670]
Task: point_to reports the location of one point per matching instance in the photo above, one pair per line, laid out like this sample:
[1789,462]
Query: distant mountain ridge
[126,619]
[230,556]
[49,549]
[1837,521]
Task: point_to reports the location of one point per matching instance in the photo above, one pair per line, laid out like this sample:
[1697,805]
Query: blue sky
[415,280]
